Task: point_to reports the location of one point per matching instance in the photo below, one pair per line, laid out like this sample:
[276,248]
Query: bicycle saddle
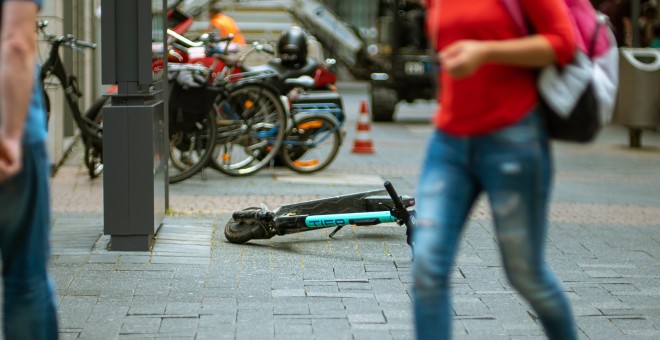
[285,72]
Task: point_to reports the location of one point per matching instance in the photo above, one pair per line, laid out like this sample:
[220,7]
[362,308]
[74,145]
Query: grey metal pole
[134,138]
[634,17]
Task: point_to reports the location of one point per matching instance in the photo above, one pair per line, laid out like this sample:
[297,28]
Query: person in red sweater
[489,138]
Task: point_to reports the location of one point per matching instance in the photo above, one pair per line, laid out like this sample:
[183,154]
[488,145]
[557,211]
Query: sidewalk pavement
[603,243]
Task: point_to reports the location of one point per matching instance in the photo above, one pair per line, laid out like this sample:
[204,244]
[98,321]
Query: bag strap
[515,10]
[517,13]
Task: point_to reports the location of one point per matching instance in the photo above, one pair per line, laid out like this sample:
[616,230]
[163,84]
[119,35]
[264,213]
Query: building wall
[360,14]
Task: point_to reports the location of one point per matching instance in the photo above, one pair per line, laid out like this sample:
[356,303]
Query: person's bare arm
[17,62]
[554,42]
[464,57]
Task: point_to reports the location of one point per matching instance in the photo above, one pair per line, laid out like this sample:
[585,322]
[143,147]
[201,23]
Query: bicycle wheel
[191,146]
[93,138]
[312,143]
[93,157]
[251,123]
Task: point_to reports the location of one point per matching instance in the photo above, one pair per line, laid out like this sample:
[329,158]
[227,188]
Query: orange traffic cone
[362,142]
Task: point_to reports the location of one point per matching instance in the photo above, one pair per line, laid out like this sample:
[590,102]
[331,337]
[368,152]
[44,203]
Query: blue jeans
[29,299]
[513,167]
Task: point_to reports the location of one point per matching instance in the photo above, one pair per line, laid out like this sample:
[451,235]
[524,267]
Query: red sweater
[496,95]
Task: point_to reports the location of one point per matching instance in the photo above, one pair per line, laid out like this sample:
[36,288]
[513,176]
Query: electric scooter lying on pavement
[359,209]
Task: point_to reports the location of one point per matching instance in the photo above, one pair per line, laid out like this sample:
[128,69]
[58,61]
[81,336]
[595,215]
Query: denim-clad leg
[29,300]
[446,192]
[513,167]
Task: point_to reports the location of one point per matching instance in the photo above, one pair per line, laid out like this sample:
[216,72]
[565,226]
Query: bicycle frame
[90,122]
[54,66]
[225,89]
[331,108]
[311,142]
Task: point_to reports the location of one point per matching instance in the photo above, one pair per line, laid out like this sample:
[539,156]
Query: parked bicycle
[314,118]
[192,128]
[315,133]
[247,112]
[311,138]
[253,116]
[89,123]
[251,127]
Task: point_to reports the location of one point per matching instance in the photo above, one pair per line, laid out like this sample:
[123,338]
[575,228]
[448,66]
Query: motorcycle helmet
[292,46]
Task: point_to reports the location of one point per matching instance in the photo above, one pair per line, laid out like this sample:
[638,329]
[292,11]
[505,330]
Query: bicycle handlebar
[212,38]
[266,48]
[84,44]
[71,42]
[67,40]
[205,39]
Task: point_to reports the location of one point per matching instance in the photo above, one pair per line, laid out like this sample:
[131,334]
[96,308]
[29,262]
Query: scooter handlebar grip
[395,197]
[398,204]
[251,214]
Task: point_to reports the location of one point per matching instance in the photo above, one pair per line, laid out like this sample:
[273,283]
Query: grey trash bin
[638,101]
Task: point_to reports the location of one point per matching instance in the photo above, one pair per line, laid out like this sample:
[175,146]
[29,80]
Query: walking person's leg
[29,301]
[516,172]
[446,193]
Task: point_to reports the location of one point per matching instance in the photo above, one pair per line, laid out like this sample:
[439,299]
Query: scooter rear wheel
[239,232]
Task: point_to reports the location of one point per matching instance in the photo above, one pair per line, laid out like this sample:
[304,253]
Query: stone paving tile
[600,328]
[140,325]
[68,334]
[179,326]
[369,318]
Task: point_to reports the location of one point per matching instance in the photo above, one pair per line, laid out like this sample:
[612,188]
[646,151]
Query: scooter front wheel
[241,231]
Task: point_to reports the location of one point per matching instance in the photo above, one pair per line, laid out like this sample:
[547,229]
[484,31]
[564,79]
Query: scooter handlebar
[400,209]
[401,213]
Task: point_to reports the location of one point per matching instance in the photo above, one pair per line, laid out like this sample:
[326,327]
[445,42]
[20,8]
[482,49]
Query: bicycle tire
[251,127]
[312,143]
[93,158]
[240,232]
[191,146]
[94,145]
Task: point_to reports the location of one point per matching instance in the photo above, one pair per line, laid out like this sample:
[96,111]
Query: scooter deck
[375,200]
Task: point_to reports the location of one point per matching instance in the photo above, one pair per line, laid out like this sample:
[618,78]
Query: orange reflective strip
[314,124]
[310,162]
